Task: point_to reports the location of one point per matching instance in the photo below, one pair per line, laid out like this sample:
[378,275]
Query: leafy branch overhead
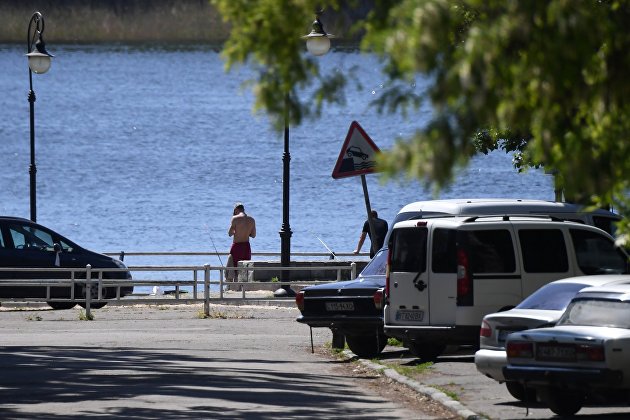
[545,79]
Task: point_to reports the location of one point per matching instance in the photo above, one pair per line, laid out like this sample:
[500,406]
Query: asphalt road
[168,363]
[165,362]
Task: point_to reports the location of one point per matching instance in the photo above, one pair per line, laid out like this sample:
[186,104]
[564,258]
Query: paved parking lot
[148,361]
[165,362]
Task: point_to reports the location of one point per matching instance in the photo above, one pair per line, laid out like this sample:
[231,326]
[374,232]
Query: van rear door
[408,280]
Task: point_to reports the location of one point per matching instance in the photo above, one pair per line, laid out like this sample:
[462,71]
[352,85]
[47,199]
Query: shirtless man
[242,228]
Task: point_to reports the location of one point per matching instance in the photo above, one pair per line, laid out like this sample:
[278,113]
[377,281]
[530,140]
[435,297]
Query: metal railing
[197,277]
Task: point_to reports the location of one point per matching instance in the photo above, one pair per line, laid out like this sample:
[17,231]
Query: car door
[26,246]
[409,287]
[544,256]
[443,276]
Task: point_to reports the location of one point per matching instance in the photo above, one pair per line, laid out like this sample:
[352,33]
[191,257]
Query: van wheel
[61,305]
[518,391]
[366,346]
[427,352]
[564,403]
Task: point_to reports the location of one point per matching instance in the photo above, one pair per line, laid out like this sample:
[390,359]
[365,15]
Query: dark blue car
[25,244]
[349,307]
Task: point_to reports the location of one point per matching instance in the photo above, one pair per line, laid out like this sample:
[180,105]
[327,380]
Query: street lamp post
[317,43]
[38,62]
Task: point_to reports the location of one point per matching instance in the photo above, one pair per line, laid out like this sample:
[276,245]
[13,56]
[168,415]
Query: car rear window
[544,251]
[377,265]
[444,253]
[409,250]
[597,313]
[552,297]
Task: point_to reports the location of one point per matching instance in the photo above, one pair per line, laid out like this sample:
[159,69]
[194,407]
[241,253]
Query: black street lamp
[38,62]
[317,43]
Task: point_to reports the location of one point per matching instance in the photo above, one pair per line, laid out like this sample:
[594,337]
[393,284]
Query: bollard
[206,289]
[353,270]
[88,290]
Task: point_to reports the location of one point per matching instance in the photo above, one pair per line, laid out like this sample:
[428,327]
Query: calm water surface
[148,149]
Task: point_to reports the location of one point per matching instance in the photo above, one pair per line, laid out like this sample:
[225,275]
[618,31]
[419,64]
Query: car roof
[596,280]
[617,291]
[496,205]
[14,218]
[459,220]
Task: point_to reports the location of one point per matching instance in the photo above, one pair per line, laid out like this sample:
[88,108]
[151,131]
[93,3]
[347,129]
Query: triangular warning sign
[358,154]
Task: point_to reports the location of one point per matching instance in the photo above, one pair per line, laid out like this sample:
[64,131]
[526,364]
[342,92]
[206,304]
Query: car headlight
[119,263]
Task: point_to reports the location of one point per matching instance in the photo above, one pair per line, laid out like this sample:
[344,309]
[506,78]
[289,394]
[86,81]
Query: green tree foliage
[545,79]
[267,35]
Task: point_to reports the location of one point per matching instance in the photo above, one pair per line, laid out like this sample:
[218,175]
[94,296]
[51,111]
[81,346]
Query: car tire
[61,305]
[94,293]
[564,403]
[518,391]
[427,352]
[367,346]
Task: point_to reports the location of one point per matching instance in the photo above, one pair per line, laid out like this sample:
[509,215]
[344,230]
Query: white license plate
[409,315]
[554,352]
[340,306]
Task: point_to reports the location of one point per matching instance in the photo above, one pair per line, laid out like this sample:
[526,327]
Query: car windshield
[597,313]
[377,266]
[553,296]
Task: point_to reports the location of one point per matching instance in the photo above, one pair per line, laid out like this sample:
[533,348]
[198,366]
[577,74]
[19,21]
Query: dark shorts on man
[240,251]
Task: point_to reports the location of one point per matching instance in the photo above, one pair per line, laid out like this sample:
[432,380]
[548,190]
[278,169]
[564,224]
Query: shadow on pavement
[127,382]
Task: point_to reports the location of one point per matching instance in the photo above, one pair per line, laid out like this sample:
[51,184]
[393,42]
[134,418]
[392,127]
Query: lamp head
[39,59]
[318,41]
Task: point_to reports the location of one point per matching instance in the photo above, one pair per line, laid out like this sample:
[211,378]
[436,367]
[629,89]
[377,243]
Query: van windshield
[409,250]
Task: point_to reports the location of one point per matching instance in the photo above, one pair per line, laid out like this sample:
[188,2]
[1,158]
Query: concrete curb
[433,393]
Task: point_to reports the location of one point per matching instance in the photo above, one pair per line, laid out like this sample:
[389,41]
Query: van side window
[491,251]
[597,254]
[444,258]
[544,251]
[409,250]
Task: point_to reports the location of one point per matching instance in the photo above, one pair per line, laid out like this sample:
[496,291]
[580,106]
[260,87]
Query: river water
[148,149]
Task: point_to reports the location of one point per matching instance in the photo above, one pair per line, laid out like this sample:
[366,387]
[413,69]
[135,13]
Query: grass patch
[412,370]
[34,318]
[447,391]
[394,342]
[85,317]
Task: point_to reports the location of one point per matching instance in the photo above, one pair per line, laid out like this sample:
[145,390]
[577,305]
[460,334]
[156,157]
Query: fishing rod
[332,253]
[214,246]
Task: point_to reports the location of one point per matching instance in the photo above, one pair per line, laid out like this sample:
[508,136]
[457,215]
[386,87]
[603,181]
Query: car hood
[367,282]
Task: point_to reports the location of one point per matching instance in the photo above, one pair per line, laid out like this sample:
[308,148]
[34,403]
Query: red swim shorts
[240,251]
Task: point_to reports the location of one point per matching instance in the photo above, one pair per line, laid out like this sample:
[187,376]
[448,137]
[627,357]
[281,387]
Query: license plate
[409,315]
[555,352]
[340,306]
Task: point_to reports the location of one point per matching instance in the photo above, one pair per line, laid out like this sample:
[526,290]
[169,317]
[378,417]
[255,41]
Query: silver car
[583,358]
[542,308]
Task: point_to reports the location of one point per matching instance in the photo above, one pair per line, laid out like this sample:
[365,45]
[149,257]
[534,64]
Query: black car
[25,244]
[349,307]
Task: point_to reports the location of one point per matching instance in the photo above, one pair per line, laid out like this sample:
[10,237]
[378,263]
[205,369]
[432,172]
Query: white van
[446,273]
[600,218]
